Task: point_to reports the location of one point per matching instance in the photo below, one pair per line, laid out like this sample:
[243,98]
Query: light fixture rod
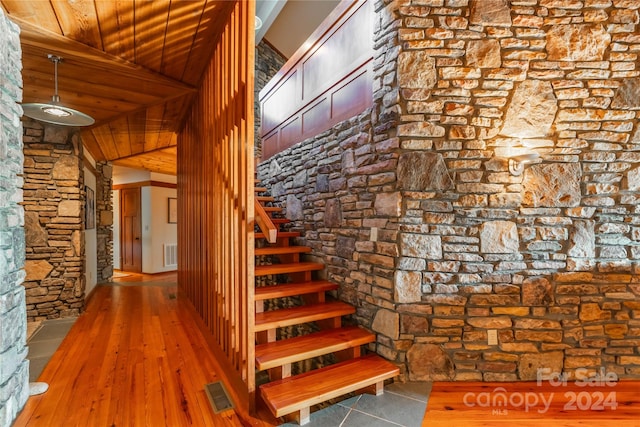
[55,59]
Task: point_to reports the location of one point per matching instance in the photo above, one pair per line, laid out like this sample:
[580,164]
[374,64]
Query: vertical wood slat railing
[216,202]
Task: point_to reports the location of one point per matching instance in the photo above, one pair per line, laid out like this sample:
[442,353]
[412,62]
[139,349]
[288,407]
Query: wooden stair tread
[260,189]
[302,391]
[292,289]
[278,353]
[280,220]
[281,250]
[293,267]
[265,198]
[272,208]
[281,235]
[301,314]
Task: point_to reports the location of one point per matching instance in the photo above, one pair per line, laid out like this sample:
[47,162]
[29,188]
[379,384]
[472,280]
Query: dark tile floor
[44,342]
[400,405]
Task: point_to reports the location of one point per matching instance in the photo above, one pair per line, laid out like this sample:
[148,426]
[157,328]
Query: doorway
[130,230]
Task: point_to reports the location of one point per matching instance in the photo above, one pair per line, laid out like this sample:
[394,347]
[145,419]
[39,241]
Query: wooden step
[260,189]
[280,220]
[303,314]
[272,209]
[293,267]
[281,235]
[281,250]
[279,353]
[265,199]
[292,289]
[300,392]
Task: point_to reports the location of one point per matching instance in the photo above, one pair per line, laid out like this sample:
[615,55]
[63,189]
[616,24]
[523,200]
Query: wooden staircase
[295,394]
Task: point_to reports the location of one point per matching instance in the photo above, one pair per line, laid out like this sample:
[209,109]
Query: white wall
[156,231]
[90,242]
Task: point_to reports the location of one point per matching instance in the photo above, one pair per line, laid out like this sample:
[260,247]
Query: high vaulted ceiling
[133,65]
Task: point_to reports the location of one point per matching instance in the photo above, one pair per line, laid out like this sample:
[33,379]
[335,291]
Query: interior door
[130,235]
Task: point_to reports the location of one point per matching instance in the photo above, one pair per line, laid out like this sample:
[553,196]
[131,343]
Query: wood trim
[145,184]
[87,164]
[310,94]
[216,201]
[275,49]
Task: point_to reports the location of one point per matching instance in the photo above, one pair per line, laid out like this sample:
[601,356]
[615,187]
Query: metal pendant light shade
[54,112]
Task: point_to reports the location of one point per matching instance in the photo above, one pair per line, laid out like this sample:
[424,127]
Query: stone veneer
[412,206]
[104,221]
[54,221]
[268,63]
[14,367]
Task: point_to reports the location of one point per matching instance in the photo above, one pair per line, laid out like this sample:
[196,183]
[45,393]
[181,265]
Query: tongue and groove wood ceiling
[133,65]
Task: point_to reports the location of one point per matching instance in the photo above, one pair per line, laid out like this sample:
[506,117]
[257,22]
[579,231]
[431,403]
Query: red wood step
[280,220]
[278,353]
[300,392]
[265,198]
[260,189]
[302,314]
[272,209]
[293,289]
[281,235]
[293,267]
[281,250]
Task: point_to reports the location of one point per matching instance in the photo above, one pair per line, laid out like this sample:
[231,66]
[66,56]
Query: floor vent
[218,397]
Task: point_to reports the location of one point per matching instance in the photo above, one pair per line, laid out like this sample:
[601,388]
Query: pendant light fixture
[54,112]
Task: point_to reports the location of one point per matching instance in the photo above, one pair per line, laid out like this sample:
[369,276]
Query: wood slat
[293,289]
[295,267]
[302,391]
[278,353]
[302,314]
[216,193]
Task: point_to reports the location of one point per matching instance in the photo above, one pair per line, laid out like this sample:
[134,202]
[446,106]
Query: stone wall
[54,220]
[414,209]
[268,63]
[14,367]
[104,221]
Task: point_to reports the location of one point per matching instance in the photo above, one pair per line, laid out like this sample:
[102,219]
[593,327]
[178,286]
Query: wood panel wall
[216,202]
[328,80]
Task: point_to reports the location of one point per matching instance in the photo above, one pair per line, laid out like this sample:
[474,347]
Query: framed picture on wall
[90,209]
[173,210]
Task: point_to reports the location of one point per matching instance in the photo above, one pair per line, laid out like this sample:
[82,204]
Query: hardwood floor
[134,358]
[571,405]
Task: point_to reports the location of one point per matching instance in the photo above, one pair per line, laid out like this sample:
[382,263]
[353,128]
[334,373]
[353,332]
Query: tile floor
[400,405]
[44,342]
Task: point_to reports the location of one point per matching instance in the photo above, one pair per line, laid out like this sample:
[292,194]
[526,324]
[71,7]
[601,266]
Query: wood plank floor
[134,358]
[479,405]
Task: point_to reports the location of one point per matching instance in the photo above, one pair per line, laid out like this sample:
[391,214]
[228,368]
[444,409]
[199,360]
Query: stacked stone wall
[104,221]
[414,209]
[14,367]
[54,221]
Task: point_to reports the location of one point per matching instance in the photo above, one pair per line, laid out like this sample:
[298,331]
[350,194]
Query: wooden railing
[328,80]
[267,226]
[216,201]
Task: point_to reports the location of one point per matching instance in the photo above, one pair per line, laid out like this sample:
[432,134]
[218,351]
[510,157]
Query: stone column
[14,367]
[54,220]
[104,226]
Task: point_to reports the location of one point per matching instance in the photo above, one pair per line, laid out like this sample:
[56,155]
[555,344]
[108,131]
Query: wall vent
[170,254]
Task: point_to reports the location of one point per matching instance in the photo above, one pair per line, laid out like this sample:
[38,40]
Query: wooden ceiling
[133,65]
